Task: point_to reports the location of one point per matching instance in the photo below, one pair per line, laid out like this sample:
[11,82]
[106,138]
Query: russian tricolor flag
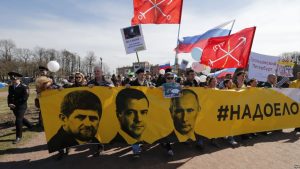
[165,66]
[223,72]
[188,43]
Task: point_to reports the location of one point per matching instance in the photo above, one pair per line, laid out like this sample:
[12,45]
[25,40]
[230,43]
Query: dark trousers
[19,112]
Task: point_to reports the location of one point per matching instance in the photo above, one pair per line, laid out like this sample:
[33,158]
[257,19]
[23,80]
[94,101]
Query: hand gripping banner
[96,115]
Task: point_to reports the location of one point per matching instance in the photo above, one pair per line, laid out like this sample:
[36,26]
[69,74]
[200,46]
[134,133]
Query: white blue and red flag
[223,72]
[165,66]
[188,43]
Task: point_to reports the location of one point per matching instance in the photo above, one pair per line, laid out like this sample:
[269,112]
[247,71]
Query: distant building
[137,65]
[124,70]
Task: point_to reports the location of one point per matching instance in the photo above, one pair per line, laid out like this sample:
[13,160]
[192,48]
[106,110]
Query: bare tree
[39,55]
[7,62]
[6,48]
[90,60]
[24,56]
[106,69]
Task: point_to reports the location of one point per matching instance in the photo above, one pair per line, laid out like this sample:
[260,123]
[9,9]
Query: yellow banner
[138,114]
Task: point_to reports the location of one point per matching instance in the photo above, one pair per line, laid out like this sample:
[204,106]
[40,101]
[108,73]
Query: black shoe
[97,154]
[297,130]
[199,144]
[17,140]
[214,143]
[246,136]
[60,156]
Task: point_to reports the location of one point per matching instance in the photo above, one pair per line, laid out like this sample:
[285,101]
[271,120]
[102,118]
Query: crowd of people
[18,95]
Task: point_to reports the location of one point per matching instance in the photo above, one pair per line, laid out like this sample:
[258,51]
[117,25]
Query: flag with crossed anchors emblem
[157,12]
[229,51]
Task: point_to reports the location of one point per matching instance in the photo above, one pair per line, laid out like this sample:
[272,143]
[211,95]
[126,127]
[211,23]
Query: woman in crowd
[252,83]
[228,84]
[240,80]
[79,80]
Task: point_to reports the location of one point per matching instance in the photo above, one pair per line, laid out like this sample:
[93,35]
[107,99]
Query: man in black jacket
[17,101]
[80,114]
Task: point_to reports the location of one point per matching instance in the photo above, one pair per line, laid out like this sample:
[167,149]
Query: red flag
[156,12]
[229,51]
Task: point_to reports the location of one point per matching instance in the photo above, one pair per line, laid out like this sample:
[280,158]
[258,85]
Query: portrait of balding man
[184,111]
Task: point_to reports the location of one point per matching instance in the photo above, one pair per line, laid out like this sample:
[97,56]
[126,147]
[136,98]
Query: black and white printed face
[185,113]
[133,119]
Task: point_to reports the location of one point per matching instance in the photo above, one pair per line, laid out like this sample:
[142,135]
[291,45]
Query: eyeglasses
[170,78]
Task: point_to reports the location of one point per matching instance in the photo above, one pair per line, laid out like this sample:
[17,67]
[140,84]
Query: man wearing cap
[17,101]
[140,79]
[43,71]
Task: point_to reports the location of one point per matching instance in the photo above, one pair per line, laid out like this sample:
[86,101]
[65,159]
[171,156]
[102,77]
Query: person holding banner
[80,115]
[43,72]
[170,79]
[271,81]
[240,80]
[184,112]
[79,80]
[296,84]
[212,84]
[139,81]
[99,80]
[228,85]
[190,79]
[252,83]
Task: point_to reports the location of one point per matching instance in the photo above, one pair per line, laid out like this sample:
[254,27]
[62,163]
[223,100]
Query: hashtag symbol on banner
[222,113]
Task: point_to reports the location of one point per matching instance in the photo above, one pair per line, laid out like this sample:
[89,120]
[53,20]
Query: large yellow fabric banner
[138,114]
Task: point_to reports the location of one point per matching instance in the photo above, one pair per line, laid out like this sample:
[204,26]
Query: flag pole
[231,27]
[176,54]
[178,33]
[137,56]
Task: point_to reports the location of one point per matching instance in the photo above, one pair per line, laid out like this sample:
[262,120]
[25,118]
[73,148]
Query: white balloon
[207,70]
[196,53]
[162,71]
[202,78]
[53,66]
[197,67]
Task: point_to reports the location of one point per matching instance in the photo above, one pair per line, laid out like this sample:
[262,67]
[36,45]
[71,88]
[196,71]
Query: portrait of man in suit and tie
[131,109]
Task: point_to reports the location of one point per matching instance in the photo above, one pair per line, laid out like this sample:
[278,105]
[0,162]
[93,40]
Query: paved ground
[279,150]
